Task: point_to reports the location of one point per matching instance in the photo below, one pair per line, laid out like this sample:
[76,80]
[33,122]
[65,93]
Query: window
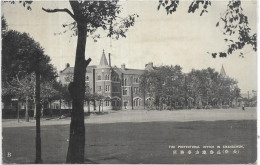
[113,103]
[125,81]
[107,102]
[87,78]
[124,91]
[136,90]
[136,80]
[137,102]
[99,88]
[107,88]
[99,77]
[87,89]
[107,77]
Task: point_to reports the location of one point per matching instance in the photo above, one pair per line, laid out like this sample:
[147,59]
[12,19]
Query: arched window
[87,78]
[136,80]
[125,80]
[137,102]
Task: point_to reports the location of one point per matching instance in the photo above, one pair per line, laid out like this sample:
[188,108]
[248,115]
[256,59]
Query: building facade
[119,86]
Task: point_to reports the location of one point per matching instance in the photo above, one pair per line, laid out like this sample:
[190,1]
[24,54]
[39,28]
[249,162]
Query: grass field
[140,142]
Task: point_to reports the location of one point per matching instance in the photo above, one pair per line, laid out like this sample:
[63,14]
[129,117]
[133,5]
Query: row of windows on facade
[69,78]
[136,102]
[115,78]
[136,90]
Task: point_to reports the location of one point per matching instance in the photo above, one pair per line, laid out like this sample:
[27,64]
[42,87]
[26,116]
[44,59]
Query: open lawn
[137,139]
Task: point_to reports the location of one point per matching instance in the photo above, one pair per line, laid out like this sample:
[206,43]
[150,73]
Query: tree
[62,93]
[88,16]
[165,83]
[4,26]
[199,88]
[22,55]
[235,24]
[88,97]
[24,90]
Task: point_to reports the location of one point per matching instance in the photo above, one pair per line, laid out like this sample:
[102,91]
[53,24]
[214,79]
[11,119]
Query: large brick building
[119,85]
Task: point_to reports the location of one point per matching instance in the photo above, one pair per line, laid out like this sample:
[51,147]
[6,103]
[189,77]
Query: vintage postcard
[129,82]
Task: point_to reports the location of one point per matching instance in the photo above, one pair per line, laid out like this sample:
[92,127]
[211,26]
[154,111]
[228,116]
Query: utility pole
[38,159]
[18,111]
[132,97]
[17,107]
[26,110]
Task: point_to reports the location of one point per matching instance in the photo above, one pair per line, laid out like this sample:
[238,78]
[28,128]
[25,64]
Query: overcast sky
[178,39]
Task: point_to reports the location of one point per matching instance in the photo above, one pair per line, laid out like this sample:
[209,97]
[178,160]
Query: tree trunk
[94,105]
[26,110]
[144,100]
[34,106]
[99,106]
[89,107]
[76,147]
[60,107]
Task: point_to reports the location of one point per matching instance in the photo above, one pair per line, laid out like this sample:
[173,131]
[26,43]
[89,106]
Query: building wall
[122,90]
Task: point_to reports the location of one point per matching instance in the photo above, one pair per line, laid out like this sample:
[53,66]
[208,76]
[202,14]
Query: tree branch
[59,10]
[87,62]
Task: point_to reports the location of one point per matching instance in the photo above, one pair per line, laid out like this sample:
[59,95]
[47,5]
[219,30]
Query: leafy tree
[165,83]
[197,88]
[63,94]
[234,23]
[22,55]
[24,89]
[4,26]
[89,97]
[88,16]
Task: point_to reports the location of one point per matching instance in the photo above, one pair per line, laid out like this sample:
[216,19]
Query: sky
[178,39]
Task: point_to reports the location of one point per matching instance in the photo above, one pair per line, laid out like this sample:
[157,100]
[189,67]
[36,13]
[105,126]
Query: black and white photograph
[129,81]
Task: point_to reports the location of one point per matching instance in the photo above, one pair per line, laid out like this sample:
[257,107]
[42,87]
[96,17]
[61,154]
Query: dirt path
[149,116]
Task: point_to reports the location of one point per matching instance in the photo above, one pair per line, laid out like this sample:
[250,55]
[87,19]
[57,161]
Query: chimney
[123,66]
[67,65]
[109,58]
[149,65]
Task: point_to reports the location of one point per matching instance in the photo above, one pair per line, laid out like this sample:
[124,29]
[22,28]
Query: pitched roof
[222,71]
[129,71]
[70,70]
[103,60]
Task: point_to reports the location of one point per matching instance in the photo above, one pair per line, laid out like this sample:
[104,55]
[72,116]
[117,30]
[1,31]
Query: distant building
[120,86]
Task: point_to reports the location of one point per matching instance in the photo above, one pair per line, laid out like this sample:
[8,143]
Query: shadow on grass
[146,142]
